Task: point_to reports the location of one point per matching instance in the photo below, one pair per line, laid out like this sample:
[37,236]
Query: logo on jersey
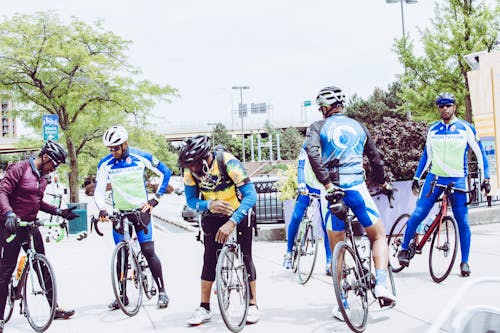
[344,137]
[128,160]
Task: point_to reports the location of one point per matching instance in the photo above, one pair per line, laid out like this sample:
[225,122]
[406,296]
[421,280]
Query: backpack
[219,156]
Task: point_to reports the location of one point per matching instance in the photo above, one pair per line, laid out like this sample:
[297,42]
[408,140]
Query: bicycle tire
[395,240]
[148,283]
[39,299]
[349,287]
[9,304]
[131,281]
[306,254]
[232,288]
[440,252]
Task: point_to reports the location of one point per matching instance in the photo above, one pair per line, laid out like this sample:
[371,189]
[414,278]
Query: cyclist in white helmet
[335,146]
[124,168]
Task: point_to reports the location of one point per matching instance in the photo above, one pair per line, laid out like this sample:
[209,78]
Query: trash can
[78,224]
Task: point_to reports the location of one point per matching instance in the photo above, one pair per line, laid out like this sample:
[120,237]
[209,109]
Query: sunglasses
[442,106]
[114,149]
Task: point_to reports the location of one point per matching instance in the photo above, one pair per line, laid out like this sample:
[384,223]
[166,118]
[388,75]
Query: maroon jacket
[21,191]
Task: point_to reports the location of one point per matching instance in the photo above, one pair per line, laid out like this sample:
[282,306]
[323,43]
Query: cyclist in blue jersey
[225,200]
[446,147]
[335,146]
[307,182]
[124,168]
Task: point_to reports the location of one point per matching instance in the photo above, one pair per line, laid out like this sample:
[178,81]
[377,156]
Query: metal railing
[474,179]
[269,208]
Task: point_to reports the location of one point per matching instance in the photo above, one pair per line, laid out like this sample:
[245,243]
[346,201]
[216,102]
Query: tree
[76,71]
[290,143]
[460,27]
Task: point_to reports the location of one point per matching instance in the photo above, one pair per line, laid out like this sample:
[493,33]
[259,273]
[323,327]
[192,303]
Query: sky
[284,50]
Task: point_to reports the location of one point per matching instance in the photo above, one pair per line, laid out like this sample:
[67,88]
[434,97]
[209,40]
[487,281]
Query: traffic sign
[50,123]
[307,103]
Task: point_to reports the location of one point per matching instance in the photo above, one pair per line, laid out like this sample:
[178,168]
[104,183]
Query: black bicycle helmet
[330,96]
[55,151]
[445,98]
[193,150]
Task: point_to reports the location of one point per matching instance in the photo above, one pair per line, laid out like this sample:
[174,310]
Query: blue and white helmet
[115,136]
[445,98]
[330,96]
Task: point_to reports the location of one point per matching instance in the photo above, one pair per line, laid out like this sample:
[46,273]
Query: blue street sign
[50,123]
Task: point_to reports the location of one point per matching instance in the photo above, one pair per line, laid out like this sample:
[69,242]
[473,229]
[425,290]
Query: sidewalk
[83,279]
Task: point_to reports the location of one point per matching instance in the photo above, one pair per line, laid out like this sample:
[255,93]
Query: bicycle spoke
[306,256]
[443,249]
[232,288]
[39,293]
[395,240]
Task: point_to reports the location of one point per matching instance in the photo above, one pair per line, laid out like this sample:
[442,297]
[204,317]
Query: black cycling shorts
[210,224]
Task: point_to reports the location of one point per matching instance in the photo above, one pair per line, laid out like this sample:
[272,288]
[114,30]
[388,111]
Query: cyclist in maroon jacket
[21,196]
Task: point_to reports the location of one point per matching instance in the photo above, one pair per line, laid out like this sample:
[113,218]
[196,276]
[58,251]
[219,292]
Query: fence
[269,208]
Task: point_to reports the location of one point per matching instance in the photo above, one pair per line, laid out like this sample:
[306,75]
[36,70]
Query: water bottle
[20,269]
[363,245]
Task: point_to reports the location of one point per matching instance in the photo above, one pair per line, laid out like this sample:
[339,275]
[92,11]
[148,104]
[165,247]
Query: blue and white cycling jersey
[126,176]
[446,150]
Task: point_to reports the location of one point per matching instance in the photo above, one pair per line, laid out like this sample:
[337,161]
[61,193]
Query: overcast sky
[285,50]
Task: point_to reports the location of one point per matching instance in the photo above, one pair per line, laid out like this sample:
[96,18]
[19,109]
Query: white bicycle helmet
[330,96]
[115,136]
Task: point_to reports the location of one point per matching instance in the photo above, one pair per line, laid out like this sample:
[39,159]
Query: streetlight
[408,112]
[240,88]
[402,12]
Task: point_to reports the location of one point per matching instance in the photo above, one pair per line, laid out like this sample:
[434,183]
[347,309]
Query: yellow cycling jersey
[215,186]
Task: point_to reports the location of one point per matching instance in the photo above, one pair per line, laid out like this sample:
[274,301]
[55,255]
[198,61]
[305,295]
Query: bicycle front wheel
[39,293]
[232,288]
[443,249]
[306,254]
[126,278]
[350,289]
[395,240]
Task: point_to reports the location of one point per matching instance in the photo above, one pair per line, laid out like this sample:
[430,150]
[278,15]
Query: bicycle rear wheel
[395,240]
[39,293]
[306,254]
[126,278]
[9,304]
[148,283]
[232,288]
[350,290]
[443,249]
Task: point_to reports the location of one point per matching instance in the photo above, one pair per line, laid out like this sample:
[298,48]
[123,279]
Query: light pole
[402,11]
[240,88]
[408,112]
[213,132]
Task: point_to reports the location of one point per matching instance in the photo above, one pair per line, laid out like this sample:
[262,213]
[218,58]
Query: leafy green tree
[76,71]
[459,27]
[290,143]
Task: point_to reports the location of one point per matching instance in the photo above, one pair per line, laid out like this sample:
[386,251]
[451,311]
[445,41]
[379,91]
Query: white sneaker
[337,314]
[253,315]
[200,316]
[381,292]
[287,260]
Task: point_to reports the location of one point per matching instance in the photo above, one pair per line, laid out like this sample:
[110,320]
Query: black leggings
[8,258]
[210,224]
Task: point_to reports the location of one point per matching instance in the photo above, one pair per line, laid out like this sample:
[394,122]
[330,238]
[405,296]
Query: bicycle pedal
[384,302]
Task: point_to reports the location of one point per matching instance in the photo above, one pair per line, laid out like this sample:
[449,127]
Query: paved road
[83,279]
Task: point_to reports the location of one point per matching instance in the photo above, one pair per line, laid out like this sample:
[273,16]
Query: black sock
[206,306]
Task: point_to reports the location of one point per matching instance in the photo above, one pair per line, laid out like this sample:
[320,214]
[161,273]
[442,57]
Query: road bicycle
[305,247]
[130,272]
[353,268]
[442,234]
[232,284]
[34,281]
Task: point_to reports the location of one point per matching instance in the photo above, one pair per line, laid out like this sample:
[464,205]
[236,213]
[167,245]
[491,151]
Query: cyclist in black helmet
[222,211]
[21,195]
